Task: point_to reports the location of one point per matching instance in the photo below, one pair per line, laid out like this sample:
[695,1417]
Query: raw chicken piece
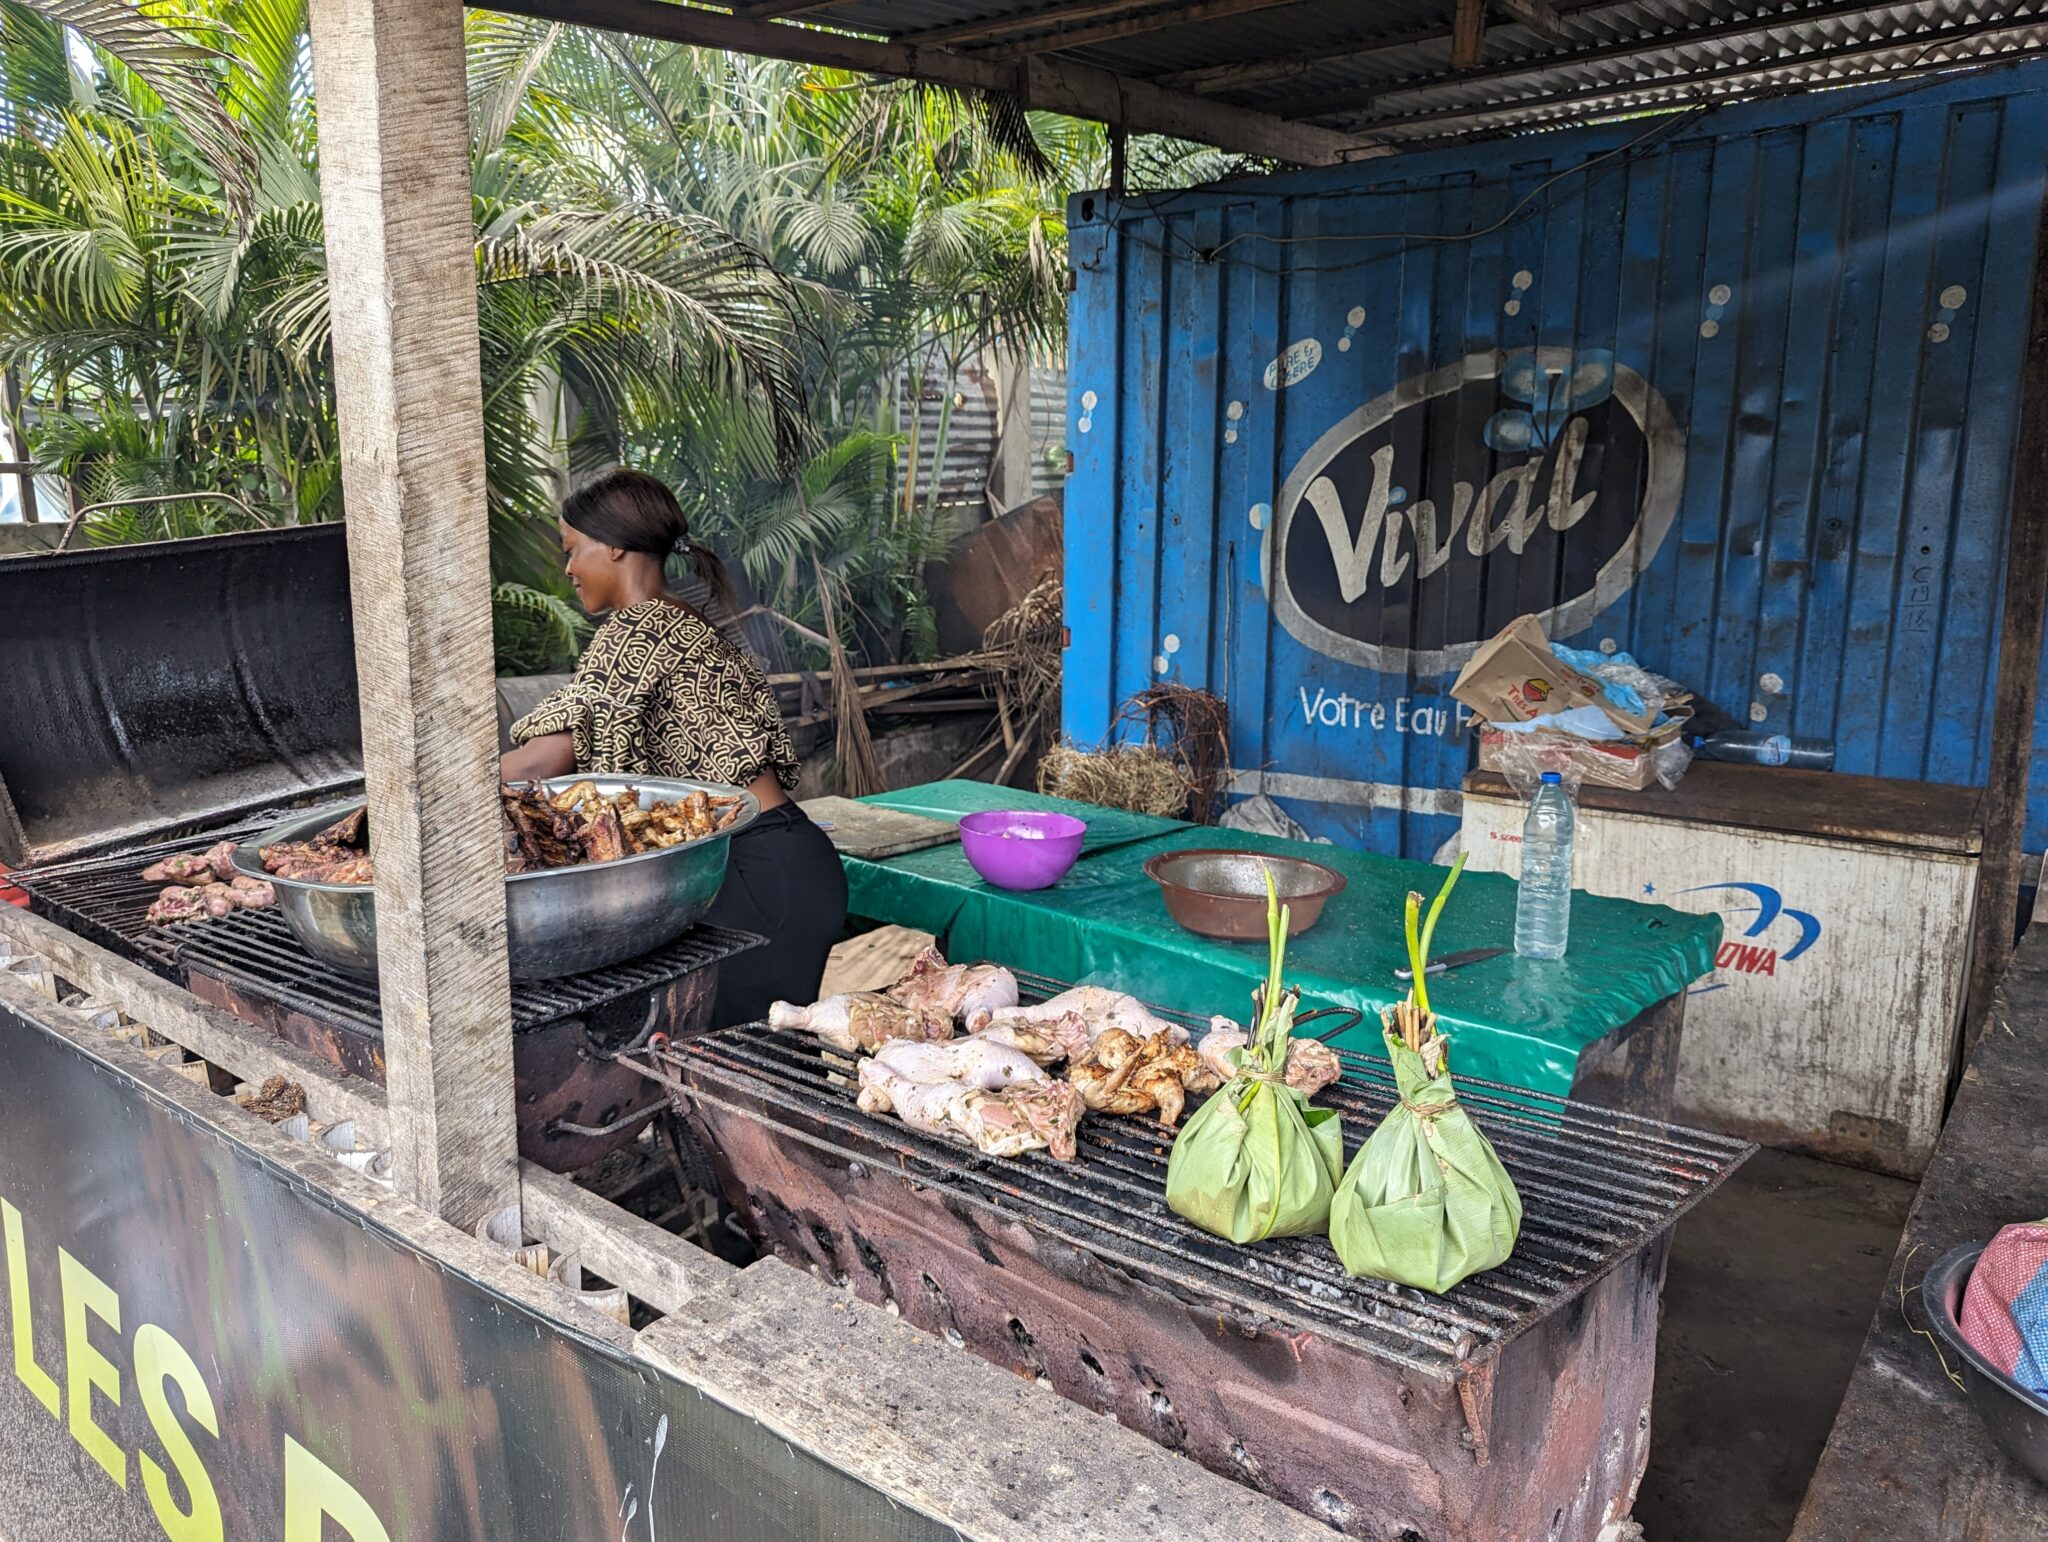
[1311,1064]
[1044,1039]
[254,893]
[1099,1009]
[972,1062]
[1036,1115]
[221,858]
[180,868]
[971,992]
[217,898]
[1122,1074]
[861,1020]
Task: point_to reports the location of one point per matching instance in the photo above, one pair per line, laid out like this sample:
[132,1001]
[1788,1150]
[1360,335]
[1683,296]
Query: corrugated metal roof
[1381,72]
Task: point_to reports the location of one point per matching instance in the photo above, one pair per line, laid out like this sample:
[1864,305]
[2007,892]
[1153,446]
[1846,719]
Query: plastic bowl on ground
[1021,849]
[2017,1418]
[1217,893]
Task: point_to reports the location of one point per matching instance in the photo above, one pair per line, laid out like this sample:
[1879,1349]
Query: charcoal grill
[575,1102]
[1515,1406]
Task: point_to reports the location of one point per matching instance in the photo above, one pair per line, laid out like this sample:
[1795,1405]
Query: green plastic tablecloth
[1519,1021]
[1107,827]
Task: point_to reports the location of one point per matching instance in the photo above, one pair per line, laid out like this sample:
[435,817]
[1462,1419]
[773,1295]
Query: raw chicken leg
[1027,1117]
[1044,1039]
[966,991]
[1099,1009]
[971,1062]
[861,1020]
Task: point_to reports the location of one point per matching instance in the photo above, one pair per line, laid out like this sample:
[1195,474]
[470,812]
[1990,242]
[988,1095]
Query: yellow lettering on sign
[41,1385]
[160,1359]
[84,1366]
[315,1493]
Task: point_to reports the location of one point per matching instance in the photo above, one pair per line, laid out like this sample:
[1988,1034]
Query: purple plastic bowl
[1019,849]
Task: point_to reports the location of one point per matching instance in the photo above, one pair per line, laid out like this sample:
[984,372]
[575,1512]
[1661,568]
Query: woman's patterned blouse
[659,692]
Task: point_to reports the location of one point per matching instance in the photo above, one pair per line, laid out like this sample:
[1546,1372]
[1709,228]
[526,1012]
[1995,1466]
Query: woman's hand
[548,755]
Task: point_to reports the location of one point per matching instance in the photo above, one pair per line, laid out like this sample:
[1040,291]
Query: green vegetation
[709,266]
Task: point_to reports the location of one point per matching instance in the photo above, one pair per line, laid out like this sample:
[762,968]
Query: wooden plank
[1468,34]
[1824,804]
[395,183]
[1051,86]
[871,832]
[176,1014]
[2019,663]
[662,1270]
[1536,15]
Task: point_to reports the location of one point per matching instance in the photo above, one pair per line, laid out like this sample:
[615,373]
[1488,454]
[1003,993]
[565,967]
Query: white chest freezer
[1831,1020]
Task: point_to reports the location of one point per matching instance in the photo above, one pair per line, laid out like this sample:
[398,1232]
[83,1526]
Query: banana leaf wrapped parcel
[1426,1202]
[1257,1160]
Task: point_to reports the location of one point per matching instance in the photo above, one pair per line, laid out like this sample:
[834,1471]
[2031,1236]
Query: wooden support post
[2019,668]
[395,183]
[1468,34]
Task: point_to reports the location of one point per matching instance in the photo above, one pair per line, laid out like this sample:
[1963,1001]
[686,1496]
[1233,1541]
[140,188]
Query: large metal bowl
[1222,894]
[2017,1419]
[558,921]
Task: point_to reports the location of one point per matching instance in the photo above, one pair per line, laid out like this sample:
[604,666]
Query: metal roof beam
[992,27]
[1053,85]
[1126,21]
[1657,91]
[1359,98]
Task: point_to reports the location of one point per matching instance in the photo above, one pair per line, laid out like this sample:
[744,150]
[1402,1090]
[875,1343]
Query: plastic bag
[1426,1202]
[1257,1160]
[1522,758]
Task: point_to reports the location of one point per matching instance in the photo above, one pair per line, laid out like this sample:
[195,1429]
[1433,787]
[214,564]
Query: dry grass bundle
[854,749]
[1023,646]
[1136,777]
[1192,729]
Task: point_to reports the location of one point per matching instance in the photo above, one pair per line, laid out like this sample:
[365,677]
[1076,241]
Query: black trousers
[783,881]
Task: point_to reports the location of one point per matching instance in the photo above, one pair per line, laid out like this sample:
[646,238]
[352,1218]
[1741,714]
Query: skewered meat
[972,992]
[1122,1074]
[1026,1117]
[972,1062]
[861,1020]
[1311,1064]
[1098,1008]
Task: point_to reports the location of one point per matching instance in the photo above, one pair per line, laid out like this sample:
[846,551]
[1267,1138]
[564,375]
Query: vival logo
[1757,958]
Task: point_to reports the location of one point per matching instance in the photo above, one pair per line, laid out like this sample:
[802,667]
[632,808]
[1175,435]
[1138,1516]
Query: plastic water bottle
[1754,749]
[1543,900]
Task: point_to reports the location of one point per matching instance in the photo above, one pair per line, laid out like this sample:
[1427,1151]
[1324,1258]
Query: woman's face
[593,568]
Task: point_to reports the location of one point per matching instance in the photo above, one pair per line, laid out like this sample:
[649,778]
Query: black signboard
[202,1347]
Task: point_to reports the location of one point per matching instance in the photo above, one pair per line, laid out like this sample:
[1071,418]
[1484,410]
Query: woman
[659,692]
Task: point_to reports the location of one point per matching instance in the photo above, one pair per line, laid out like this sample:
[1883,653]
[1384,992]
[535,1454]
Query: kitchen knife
[1452,961]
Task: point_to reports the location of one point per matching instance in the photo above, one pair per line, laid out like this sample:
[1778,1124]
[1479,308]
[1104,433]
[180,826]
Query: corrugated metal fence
[1736,393]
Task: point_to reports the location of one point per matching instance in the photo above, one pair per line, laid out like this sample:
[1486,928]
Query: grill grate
[256,951]
[1596,1187]
[104,899]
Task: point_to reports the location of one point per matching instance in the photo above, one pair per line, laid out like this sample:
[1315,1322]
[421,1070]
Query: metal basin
[559,921]
[2017,1419]
[1217,893]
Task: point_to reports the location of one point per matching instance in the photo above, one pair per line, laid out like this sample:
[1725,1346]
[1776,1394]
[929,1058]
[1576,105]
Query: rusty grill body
[1514,1407]
[576,1102]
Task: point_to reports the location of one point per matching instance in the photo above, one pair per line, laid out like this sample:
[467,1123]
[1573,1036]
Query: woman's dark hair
[636,512]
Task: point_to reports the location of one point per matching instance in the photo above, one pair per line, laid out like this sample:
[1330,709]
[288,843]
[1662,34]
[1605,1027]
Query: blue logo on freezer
[1757,958]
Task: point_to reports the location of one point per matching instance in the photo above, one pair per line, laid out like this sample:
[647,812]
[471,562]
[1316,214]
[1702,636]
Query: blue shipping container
[1736,392]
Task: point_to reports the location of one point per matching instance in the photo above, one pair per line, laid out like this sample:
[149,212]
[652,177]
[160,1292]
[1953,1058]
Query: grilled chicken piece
[1100,1009]
[604,838]
[345,831]
[1026,1117]
[861,1020]
[1044,1039]
[1311,1064]
[221,858]
[972,1062]
[571,799]
[972,992]
[1122,1074]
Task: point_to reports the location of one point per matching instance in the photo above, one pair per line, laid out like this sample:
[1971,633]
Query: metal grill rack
[1596,1186]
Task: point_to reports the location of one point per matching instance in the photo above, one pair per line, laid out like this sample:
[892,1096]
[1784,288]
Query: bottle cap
[1551,779]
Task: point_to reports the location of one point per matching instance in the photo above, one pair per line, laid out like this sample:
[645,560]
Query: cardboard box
[1516,677]
[1626,763]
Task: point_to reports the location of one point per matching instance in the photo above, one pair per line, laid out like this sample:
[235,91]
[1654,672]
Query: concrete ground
[1771,1285]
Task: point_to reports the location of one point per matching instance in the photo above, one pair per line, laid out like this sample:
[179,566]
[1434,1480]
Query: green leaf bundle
[1256,1160]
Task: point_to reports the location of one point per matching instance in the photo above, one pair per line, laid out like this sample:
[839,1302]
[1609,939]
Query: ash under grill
[1516,1405]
